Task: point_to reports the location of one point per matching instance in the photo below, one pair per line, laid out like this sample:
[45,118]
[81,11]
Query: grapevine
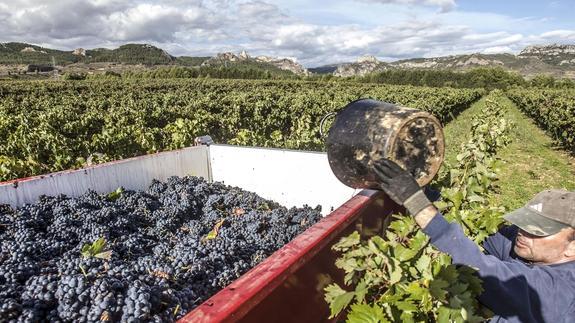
[53,126]
[552,110]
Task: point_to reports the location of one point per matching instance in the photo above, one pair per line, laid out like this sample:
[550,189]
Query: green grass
[456,132]
[529,164]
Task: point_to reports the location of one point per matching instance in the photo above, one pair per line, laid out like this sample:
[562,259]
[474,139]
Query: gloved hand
[400,186]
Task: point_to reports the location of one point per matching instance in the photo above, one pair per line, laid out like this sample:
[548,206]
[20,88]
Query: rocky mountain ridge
[363,65]
[553,54]
[554,50]
[281,63]
[556,60]
[23,54]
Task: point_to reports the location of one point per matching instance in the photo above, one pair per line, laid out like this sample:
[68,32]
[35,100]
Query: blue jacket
[514,290]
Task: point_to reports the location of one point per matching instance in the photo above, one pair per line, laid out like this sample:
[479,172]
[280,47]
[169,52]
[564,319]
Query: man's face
[545,250]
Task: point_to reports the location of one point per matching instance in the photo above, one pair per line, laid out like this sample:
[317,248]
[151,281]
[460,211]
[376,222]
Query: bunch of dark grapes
[166,250]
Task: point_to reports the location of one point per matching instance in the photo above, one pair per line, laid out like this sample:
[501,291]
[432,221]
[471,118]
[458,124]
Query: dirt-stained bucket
[368,130]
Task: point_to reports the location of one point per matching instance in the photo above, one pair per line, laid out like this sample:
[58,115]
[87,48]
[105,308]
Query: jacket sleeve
[511,288]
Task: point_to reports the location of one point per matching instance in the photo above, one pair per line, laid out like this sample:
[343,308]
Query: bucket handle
[322,122]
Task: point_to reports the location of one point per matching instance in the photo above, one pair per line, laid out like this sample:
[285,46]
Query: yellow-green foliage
[51,126]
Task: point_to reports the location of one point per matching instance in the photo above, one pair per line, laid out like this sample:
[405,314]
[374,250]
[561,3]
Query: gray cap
[546,214]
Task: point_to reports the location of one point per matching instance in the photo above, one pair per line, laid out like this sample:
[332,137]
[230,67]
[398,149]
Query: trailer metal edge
[288,285]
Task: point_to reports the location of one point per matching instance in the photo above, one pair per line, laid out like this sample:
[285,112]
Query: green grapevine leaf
[214,232]
[437,289]
[347,242]
[115,194]
[96,249]
[337,298]
[365,313]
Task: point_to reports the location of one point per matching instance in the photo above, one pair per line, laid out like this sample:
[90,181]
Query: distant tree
[489,78]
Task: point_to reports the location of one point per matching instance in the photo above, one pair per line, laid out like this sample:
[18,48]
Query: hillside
[127,54]
[560,55]
[555,60]
[244,59]
[22,53]
[18,57]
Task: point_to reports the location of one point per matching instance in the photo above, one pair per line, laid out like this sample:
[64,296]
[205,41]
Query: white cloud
[485,36]
[201,28]
[445,5]
[318,44]
[497,50]
[562,34]
[152,22]
[259,9]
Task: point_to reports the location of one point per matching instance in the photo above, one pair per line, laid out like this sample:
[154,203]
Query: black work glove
[400,186]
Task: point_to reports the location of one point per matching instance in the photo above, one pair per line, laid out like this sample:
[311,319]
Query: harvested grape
[135,256]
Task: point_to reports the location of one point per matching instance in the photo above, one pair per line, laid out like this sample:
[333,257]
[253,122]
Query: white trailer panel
[133,173]
[289,177]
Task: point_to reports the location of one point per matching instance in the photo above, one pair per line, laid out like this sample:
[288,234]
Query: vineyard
[552,110]
[47,127]
[156,254]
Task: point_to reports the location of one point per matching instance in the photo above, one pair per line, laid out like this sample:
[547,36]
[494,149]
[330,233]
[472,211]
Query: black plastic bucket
[368,130]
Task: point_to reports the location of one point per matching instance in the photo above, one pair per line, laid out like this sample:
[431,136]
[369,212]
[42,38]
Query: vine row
[552,110]
[52,126]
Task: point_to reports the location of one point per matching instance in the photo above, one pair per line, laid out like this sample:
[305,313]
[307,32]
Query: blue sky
[561,11]
[311,32]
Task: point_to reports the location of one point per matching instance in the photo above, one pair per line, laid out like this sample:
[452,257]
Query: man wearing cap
[528,270]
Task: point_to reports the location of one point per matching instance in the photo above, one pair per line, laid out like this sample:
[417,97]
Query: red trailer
[288,285]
